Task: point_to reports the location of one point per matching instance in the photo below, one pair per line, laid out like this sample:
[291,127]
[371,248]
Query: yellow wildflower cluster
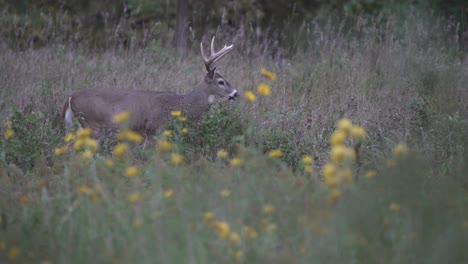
[93,194]
[307,163]
[179,115]
[399,151]
[222,154]
[168,193]
[133,198]
[131,171]
[164,146]
[236,162]
[342,156]
[224,232]
[268,209]
[176,159]
[8,131]
[276,153]
[268,74]
[263,88]
[82,141]
[225,193]
[129,135]
[121,117]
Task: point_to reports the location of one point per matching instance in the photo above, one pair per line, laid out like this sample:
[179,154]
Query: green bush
[32,137]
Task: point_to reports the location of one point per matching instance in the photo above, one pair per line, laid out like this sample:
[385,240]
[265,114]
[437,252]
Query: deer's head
[216,84]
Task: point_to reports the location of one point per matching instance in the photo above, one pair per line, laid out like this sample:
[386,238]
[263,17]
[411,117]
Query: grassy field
[294,185]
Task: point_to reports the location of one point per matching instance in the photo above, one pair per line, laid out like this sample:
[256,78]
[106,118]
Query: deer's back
[148,109]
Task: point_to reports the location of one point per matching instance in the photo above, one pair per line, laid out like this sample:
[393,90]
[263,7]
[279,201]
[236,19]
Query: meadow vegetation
[352,146]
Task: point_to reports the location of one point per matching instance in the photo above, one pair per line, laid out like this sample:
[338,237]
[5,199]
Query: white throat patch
[211,99]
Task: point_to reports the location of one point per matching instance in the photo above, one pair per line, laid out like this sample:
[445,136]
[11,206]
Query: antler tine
[214,56]
[213,52]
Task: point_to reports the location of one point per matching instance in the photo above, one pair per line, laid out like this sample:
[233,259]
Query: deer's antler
[214,56]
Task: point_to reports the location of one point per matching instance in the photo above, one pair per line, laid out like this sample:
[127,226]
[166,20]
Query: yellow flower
[249,232]
[337,138]
[176,113]
[268,74]
[334,194]
[341,153]
[137,223]
[276,153]
[176,159]
[92,144]
[238,256]
[329,174]
[400,150]
[109,163]
[224,193]
[221,228]
[394,207]
[164,145]
[68,137]
[236,162]
[268,209]
[60,151]
[120,149]
[8,134]
[133,136]
[370,174]
[78,144]
[222,154]
[344,125]
[184,130]
[308,169]
[208,218]
[182,118]
[133,198]
[249,95]
[233,238]
[83,133]
[13,253]
[307,159]
[271,227]
[24,199]
[168,193]
[167,133]
[263,89]
[131,171]
[358,134]
[121,117]
[84,189]
[87,154]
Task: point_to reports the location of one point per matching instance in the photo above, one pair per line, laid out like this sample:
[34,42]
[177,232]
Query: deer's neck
[197,102]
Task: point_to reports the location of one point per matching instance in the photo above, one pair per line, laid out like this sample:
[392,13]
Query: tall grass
[403,81]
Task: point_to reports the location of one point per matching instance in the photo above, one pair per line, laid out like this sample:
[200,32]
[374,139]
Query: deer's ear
[211,74]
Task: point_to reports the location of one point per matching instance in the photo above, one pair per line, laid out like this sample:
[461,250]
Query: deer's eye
[221,82]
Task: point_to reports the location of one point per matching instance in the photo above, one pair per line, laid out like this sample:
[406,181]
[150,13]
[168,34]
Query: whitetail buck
[149,110]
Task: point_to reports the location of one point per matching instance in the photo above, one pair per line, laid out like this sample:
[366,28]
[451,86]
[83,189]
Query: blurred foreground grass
[245,207]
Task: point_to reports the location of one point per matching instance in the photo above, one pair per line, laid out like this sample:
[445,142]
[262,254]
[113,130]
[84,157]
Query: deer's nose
[233,95]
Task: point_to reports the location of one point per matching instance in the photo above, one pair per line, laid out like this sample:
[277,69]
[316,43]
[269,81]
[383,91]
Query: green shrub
[32,136]
[221,128]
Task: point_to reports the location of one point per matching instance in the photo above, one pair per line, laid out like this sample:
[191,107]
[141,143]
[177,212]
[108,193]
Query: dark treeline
[180,23]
